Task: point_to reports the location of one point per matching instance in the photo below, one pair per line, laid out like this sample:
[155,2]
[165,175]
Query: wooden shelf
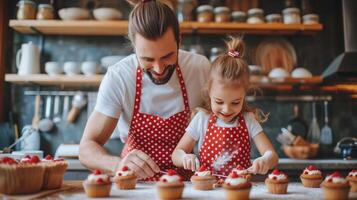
[93,27]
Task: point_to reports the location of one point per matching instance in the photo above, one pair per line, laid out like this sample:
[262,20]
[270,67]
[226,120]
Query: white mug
[71,68]
[89,68]
[53,68]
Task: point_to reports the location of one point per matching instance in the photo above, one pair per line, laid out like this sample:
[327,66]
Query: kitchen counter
[147,190]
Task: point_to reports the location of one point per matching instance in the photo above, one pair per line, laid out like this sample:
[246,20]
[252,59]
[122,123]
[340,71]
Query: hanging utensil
[65,107]
[78,102]
[46,124]
[56,115]
[314,131]
[297,124]
[326,132]
[36,115]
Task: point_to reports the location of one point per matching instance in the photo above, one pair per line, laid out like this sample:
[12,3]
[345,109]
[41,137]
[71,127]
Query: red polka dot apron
[229,146]
[155,135]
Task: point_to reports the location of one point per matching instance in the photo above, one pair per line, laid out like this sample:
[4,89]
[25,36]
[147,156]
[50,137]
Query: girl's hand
[190,162]
[262,164]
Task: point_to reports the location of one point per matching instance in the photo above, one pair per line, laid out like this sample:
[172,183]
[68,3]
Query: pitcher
[28,59]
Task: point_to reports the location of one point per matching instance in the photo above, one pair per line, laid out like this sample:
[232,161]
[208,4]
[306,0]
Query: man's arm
[98,129]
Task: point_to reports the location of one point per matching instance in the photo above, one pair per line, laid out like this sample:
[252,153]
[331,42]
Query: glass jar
[221,14]
[26,10]
[274,18]
[215,52]
[184,10]
[238,16]
[45,11]
[255,16]
[205,13]
[292,16]
[310,19]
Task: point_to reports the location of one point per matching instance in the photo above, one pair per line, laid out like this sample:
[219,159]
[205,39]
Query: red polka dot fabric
[233,140]
[155,135]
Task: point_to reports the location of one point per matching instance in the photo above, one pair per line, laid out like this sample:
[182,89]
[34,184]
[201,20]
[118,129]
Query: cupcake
[243,172]
[236,187]
[335,187]
[54,172]
[97,185]
[22,177]
[203,179]
[170,185]
[125,179]
[311,177]
[277,182]
[352,179]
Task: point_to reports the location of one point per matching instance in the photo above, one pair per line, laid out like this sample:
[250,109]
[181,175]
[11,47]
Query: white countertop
[284,163]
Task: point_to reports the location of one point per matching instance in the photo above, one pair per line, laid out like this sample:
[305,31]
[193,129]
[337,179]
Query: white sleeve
[253,126]
[198,125]
[110,94]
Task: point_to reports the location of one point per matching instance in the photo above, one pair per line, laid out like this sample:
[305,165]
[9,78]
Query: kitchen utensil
[56,115]
[347,148]
[78,102]
[36,116]
[297,125]
[278,73]
[28,59]
[73,13]
[89,68]
[326,132]
[65,107]
[314,131]
[46,124]
[272,53]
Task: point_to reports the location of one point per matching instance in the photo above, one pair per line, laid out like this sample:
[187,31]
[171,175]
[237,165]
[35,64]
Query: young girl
[229,125]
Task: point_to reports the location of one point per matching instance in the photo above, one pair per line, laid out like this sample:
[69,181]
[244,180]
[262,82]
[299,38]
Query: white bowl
[89,68]
[301,73]
[107,14]
[110,60]
[278,73]
[53,68]
[71,68]
[73,13]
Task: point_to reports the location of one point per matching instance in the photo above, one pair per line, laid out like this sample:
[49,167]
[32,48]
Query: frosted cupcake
[352,179]
[236,187]
[22,177]
[277,182]
[97,185]
[54,172]
[311,177]
[170,186]
[335,187]
[125,179]
[243,172]
[203,179]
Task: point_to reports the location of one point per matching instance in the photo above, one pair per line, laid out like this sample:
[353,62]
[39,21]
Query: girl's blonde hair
[231,67]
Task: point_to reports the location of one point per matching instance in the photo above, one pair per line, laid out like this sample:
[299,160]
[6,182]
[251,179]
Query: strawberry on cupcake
[335,186]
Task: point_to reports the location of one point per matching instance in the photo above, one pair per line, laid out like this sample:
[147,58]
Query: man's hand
[140,163]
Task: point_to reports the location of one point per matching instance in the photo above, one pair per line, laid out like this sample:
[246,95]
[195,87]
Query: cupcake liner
[276,188]
[53,176]
[237,194]
[203,183]
[21,179]
[95,190]
[313,183]
[353,185]
[170,192]
[335,193]
[126,183]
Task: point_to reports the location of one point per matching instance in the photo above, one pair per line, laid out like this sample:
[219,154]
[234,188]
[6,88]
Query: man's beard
[169,70]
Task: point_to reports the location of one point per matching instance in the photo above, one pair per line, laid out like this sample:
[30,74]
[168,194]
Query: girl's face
[157,57]
[226,99]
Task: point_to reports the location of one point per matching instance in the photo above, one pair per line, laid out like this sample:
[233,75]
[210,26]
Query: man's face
[158,58]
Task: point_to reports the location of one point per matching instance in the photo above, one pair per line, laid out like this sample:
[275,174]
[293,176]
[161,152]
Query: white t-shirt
[198,126]
[116,93]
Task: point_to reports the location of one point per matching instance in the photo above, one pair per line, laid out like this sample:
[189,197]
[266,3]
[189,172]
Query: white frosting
[235,181]
[125,173]
[203,173]
[240,172]
[278,177]
[336,179]
[312,172]
[25,159]
[352,174]
[170,179]
[93,178]
[45,160]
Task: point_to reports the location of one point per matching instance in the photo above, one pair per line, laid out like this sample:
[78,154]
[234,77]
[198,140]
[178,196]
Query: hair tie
[233,53]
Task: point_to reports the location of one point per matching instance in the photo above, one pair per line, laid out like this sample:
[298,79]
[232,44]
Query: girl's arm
[182,157]
[269,158]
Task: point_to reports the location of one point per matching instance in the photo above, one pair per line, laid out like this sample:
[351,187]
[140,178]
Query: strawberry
[97,172]
[311,167]
[202,168]
[48,157]
[276,172]
[336,174]
[125,168]
[239,167]
[34,159]
[171,172]
[234,175]
[8,160]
